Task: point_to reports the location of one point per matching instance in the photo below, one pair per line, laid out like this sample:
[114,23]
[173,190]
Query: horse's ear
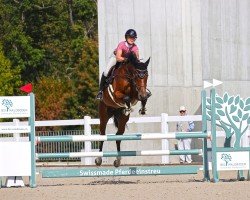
[147,62]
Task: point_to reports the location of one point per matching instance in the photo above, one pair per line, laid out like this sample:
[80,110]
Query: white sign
[233,161]
[14,129]
[15,159]
[14,107]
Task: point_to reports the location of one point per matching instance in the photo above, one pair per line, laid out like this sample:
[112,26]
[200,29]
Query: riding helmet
[131,33]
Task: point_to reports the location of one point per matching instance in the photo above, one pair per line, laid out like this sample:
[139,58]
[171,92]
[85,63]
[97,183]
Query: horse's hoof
[98,161]
[142,111]
[117,163]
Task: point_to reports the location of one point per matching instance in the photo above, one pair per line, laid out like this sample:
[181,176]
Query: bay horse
[129,85]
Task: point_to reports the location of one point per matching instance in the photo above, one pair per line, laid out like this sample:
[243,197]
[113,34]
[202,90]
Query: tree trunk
[71,20]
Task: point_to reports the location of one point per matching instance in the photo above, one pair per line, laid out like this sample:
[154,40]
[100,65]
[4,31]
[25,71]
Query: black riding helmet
[131,33]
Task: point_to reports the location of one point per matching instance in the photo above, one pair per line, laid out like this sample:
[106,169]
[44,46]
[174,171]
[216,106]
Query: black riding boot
[101,87]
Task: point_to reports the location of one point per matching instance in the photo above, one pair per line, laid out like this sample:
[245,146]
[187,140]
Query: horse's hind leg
[98,160]
[121,128]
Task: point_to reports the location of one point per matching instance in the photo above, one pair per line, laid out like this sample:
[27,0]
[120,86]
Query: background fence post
[87,144]
[165,142]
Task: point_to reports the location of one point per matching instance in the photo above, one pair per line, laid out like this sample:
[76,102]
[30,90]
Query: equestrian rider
[119,55]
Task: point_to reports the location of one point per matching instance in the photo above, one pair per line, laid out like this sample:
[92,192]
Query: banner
[14,106]
[233,161]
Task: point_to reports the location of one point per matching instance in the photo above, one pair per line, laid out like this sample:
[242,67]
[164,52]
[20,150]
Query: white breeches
[185,144]
[111,63]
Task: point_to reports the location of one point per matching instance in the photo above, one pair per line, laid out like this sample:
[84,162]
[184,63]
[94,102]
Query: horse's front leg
[126,99]
[104,117]
[143,109]
[117,162]
[128,108]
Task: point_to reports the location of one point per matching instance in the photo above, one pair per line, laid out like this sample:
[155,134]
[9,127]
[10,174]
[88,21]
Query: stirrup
[99,95]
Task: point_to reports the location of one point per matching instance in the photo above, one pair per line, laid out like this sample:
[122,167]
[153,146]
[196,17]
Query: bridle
[136,74]
[132,76]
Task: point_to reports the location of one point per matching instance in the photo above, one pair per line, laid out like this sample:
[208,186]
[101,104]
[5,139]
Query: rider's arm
[119,57]
[136,50]
[137,54]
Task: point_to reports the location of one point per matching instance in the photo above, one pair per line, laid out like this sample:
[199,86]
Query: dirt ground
[137,187]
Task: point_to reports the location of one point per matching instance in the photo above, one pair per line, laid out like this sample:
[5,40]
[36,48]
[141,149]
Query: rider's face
[131,40]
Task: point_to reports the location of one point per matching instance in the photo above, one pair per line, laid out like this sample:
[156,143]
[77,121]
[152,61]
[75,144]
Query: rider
[119,55]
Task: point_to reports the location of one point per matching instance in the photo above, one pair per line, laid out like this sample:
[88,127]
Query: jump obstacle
[232,114]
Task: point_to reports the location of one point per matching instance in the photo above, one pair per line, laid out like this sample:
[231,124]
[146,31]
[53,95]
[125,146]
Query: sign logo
[226,158]
[7,103]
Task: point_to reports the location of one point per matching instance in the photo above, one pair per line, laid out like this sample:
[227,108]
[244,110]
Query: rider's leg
[112,62]
[102,84]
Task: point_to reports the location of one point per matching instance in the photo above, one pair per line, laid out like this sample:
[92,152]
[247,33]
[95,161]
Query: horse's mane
[132,58]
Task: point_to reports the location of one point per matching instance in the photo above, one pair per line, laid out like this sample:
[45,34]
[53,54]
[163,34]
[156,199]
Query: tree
[84,77]
[51,97]
[17,44]
[57,40]
[10,79]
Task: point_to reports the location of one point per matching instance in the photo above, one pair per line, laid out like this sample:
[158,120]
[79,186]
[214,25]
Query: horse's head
[139,73]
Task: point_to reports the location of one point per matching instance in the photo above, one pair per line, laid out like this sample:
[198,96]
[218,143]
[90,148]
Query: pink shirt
[126,48]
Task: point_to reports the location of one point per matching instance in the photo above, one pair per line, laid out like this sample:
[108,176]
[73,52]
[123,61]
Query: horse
[128,86]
